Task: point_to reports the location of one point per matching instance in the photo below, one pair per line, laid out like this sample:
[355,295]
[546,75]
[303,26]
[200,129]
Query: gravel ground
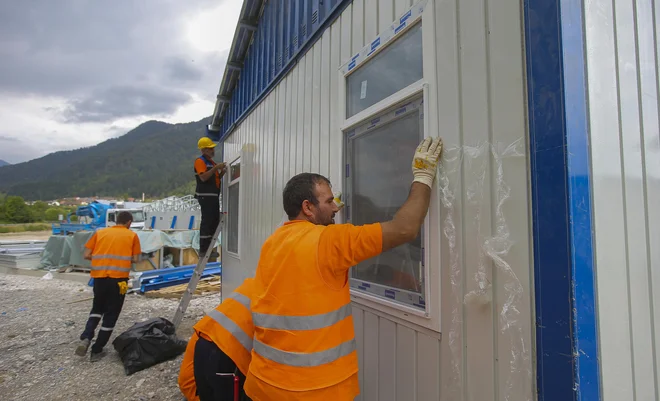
[39,330]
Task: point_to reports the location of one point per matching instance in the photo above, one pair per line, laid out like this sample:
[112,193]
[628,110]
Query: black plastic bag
[148,343]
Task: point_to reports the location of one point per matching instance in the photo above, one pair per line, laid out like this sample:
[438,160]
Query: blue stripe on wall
[566,327]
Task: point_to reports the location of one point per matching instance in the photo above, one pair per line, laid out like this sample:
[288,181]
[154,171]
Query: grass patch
[21,228]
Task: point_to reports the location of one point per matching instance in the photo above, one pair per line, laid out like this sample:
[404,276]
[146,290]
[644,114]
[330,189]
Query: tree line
[14,210]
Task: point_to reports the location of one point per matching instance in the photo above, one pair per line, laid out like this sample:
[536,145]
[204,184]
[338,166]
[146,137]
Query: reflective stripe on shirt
[115,268]
[117,257]
[300,359]
[313,322]
[232,328]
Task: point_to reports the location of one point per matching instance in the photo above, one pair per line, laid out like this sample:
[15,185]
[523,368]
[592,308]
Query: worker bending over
[304,341]
[208,175]
[111,250]
[221,343]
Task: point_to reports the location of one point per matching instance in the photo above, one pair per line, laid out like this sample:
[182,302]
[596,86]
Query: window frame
[420,13]
[231,181]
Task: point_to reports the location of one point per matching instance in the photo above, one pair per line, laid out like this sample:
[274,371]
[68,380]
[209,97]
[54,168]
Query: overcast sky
[76,72]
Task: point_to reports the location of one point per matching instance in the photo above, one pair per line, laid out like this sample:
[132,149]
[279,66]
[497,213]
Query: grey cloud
[5,138]
[182,70]
[67,47]
[124,101]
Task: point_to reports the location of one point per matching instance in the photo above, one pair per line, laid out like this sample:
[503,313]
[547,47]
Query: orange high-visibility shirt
[112,251]
[229,326]
[200,167]
[304,341]
[186,381]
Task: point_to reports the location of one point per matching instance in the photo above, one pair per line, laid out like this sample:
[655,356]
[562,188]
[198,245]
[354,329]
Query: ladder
[197,274]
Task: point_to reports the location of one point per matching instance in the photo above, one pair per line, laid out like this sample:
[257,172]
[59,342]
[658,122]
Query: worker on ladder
[218,354]
[208,175]
[111,250]
[304,344]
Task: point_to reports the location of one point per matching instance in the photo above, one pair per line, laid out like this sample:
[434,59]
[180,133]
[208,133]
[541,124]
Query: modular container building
[535,275]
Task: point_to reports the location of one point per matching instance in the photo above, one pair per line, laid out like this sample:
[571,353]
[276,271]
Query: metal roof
[269,38]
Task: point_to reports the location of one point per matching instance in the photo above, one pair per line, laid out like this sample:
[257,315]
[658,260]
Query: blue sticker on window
[405,17]
[401,110]
[390,294]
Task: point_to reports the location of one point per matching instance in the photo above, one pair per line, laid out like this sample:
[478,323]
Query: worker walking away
[208,175]
[304,341]
[221,344]
[111,251]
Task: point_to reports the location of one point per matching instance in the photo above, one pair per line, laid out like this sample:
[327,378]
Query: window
[378,154]
[233,206]
[385,74]
[385,90]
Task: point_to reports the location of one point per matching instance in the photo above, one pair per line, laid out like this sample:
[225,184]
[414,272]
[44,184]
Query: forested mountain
[155,158]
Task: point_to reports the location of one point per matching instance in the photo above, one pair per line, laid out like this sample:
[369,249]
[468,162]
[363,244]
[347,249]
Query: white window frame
[231,182]
[421,12]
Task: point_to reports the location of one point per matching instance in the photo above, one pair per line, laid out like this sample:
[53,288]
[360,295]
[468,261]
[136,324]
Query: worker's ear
[307,208]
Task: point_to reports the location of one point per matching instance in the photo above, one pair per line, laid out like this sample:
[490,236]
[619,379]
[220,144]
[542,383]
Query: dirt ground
[39,328]
[27,236]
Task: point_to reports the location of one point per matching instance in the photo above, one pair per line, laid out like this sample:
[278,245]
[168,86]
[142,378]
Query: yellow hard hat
[205,143]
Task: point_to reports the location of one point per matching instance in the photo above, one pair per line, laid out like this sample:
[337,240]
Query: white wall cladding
[484,351]
[622,70]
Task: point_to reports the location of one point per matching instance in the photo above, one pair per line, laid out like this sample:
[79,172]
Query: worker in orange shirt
[221,343]
[112,250]
[208,175]
[304,343]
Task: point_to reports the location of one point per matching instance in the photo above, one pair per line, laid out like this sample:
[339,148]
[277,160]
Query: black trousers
[210,206]
[107,305]
[208,361]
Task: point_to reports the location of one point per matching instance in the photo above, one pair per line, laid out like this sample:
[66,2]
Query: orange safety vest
[112,252]
[186,380]
[229,326]
[304,337]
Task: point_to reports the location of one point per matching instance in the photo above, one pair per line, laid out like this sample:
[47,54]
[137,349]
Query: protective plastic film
[480,171]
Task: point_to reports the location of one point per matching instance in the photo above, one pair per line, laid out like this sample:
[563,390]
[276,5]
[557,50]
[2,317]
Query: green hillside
[155,158]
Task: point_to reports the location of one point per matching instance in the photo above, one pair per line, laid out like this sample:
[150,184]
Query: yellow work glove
[123,287]
[425,162]
[338,201]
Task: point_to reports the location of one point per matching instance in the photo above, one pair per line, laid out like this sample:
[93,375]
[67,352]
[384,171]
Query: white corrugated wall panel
[478,99]
[622,71]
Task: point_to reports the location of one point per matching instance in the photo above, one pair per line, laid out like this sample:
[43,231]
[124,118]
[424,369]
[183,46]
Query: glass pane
[380,181]
[232,237]
[235,170]
[395,67]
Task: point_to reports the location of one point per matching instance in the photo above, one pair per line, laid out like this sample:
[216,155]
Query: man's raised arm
[408,220]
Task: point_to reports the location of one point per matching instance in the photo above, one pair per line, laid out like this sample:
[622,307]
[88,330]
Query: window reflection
[394,68]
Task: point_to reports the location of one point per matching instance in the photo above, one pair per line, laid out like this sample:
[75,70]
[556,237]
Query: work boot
[82,347]
[96,356]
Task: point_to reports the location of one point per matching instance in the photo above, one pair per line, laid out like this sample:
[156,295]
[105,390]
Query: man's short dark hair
[124,217]
[300,188]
